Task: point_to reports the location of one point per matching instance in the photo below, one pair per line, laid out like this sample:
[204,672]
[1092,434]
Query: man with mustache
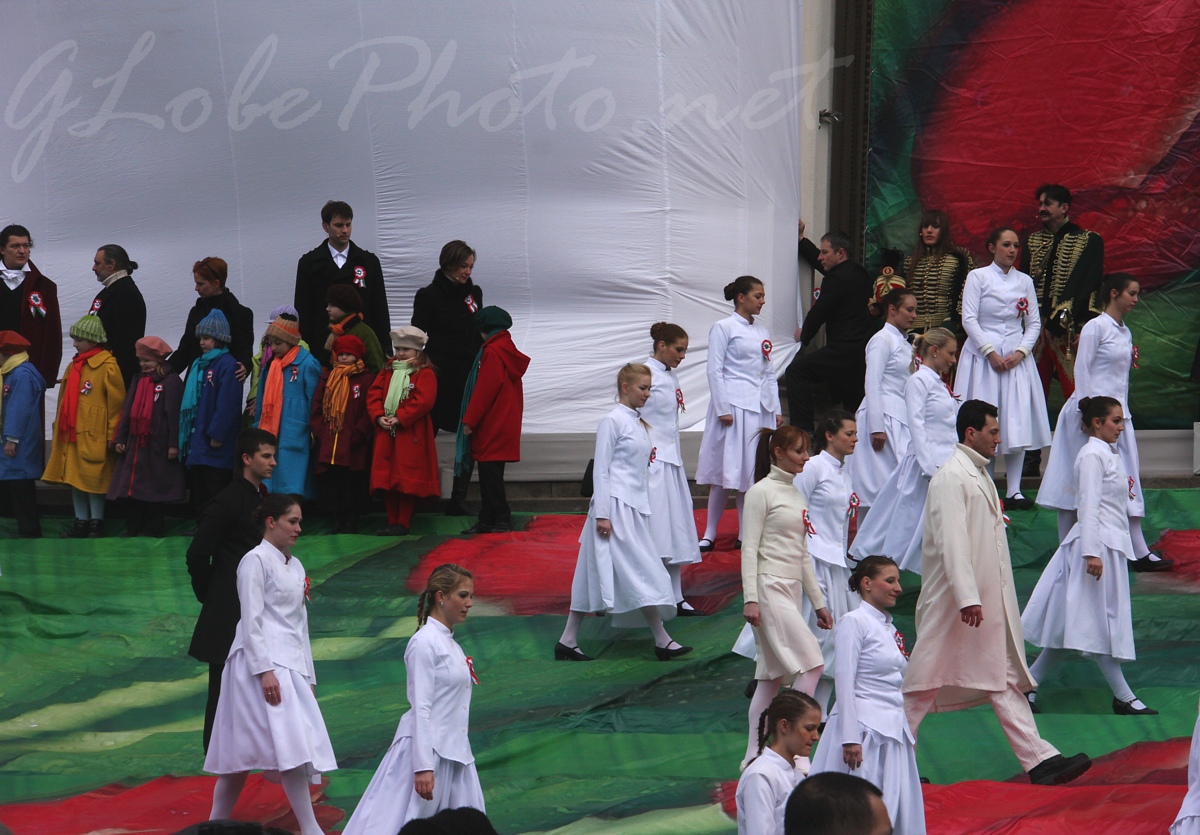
[1066,263]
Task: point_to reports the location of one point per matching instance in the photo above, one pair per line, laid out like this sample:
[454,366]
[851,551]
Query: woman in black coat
[445,310]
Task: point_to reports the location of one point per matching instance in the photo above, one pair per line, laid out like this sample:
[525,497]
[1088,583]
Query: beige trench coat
[965,562]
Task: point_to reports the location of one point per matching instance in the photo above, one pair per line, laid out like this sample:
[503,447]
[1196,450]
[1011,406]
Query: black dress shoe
[688,613]
[1127,709]
[479,527]
[1059,769]
[394,530]
[1147,563]
[1032,468]
[667,653]
[706,545]
[737,546]
[1033,705]
[750,688]
[1018,503]
[562,652]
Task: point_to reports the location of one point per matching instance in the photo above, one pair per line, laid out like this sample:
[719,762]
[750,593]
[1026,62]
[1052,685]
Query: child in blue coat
[211,413]
[21,431]
[283,407]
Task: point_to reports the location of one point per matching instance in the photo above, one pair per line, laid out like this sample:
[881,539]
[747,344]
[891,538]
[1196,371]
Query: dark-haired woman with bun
[267,716]
[1082,600]
[674,522]
[1103,360]
[882,416]
[744,398]
[868,733]
[429,766]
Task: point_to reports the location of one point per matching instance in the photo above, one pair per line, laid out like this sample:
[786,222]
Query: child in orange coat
[404,465]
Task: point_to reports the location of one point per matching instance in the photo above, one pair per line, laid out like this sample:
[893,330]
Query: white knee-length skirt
[727,452]
[621,573]
[889,764]
[896,523]
[1017,395]
[672,517]
[786,646]
[251,735]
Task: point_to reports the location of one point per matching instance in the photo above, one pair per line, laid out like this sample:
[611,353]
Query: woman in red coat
[404,465]
[493,403]
[343,432]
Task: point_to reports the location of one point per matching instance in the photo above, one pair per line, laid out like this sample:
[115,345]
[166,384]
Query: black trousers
[840,367]
[343,493]
[145,517]
[204,483]
[494,509]
[23,497]
[210,707]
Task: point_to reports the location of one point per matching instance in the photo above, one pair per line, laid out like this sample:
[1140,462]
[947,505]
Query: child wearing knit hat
[149,473]
[263,357]
[21,432]
[343,432]
[210,414]
[283,407]
[343,304]
[89,406]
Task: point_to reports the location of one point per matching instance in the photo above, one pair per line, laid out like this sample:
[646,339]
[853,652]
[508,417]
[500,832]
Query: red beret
[349,344]
[12,342]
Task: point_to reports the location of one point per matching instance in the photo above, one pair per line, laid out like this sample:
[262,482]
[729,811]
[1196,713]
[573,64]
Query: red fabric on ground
[1184,548]
[1134,791]
[531,570]
[159,807]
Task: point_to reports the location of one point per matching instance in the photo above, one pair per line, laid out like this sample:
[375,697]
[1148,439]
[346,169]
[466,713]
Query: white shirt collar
[339,258]
[769,755]
[271,549]
[114,278]
[833,462]
[881,616]
[13,278]
[657,365]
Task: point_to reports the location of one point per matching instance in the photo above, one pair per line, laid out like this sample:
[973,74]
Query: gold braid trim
[932,279]
[1070,248]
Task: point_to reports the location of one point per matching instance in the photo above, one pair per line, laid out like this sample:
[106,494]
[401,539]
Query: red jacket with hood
[498,401]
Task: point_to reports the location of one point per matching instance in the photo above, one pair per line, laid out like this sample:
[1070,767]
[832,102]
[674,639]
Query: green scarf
[191,398]
[462,441]
[398,386]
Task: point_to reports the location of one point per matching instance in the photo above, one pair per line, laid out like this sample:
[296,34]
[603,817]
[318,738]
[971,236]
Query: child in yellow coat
[89,407]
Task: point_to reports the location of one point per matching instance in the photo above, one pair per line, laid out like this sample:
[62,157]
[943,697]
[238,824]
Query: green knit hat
[491,319]
[89,328]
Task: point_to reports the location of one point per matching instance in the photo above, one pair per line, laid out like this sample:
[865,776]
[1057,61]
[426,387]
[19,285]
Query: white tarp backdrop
[614,163]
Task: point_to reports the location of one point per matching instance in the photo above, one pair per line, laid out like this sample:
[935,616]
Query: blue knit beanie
[215,325]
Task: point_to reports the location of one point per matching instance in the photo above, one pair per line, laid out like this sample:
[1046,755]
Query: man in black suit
[840,306]
[120,306]
[222,538]
[338,260]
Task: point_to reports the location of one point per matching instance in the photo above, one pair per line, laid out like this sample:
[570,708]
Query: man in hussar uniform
[970,647]
[1066,263]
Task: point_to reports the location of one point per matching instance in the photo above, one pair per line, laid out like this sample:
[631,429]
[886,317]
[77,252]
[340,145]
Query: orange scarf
[340,329]
[272,405]
[68,403]
[337,394]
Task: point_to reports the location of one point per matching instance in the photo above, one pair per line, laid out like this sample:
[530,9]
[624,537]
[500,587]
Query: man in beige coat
[970,647]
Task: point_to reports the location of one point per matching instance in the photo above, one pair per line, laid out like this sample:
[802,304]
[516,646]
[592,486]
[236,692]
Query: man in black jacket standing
[222,538]
[338,260]
[119,306]
[840,305]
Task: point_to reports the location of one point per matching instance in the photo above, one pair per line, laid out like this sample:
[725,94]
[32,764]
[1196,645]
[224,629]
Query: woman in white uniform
[1102,363]
[825,485]
[895,525]
[1187,822]
[1001,318]
[882,414]
[674,527]
[267,716]
[744,398]
[429,766]
[1082,600]
[618,570]
[777,572]
[868,733]
[788,729]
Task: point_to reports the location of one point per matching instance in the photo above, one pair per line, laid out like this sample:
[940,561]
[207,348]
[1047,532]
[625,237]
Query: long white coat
[882,410]
[1102,364]
[965,562]
[1070,609]
[993,321]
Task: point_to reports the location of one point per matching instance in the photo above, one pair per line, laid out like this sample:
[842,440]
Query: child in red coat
[343,431]
[404,464]
[493,402]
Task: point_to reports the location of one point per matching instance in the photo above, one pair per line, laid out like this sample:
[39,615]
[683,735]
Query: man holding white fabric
[970,646]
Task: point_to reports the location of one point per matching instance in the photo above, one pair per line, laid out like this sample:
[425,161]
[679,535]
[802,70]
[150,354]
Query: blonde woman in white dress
[1001,318]
[674,526]
[267,715]
[744,398]
[895,525]
[429,765]
[882,416]
[777,572]
[1103,360]
[1082,600]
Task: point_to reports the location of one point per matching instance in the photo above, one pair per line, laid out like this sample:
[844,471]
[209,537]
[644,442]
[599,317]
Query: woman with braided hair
[429,766]
[787,729]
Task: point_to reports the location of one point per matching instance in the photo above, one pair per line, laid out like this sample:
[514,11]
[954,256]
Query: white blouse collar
[877,614]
